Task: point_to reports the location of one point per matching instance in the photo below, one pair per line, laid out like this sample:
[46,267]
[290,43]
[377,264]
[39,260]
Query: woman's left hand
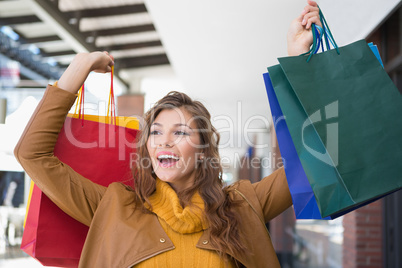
[300,36]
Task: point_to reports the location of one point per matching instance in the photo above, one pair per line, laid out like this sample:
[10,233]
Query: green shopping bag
[354,108]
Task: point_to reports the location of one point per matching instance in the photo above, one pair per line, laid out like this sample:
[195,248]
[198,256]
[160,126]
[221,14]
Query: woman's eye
[154,132]
[180,132]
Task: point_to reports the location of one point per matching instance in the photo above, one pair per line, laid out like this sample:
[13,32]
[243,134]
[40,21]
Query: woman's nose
[164,141]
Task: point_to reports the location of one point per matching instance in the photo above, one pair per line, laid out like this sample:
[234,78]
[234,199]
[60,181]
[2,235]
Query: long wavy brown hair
[224,224]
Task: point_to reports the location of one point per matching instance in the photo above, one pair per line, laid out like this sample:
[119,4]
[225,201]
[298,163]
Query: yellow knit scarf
[166,204]
[184,226]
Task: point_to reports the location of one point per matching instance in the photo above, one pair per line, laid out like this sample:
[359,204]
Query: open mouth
[167,160]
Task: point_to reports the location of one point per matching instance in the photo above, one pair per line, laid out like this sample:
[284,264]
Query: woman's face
[174,147]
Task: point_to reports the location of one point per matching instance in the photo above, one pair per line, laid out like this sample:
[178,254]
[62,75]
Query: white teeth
[167,156]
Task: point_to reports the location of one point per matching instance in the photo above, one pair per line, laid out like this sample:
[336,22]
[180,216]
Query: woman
[178,215]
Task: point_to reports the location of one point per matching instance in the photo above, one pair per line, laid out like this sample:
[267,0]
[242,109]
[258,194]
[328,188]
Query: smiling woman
[173,146]
[182,143]
[177,213]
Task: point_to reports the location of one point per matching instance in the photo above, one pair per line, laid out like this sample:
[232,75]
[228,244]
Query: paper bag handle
[111,108]
[319,34]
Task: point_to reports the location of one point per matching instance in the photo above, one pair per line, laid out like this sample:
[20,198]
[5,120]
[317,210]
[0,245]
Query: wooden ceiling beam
[19,20]
[59,53]
[42,39]
[107,11]
[120,31]
[132,46]
[143,61]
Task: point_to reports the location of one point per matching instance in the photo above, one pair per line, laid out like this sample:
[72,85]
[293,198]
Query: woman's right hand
[81,66]
[101,61]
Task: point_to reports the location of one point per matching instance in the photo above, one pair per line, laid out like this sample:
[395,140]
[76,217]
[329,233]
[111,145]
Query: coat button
[205,242]
[162,240]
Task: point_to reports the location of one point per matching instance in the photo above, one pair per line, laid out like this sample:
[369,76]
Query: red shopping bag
[101,149]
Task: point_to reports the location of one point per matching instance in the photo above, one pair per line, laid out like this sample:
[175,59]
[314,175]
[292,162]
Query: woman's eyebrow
[180,124]
[176,125]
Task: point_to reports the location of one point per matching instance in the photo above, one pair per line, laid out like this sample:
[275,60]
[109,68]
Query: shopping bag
[101,148]
[305,205]
[362,143]
[50,235]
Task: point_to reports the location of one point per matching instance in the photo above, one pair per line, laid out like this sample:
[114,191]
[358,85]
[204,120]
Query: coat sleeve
[74,194]
[273,194]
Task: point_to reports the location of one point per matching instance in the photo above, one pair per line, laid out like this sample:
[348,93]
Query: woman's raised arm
[74,194]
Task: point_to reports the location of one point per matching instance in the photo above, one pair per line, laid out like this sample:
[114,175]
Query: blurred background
[216,52]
